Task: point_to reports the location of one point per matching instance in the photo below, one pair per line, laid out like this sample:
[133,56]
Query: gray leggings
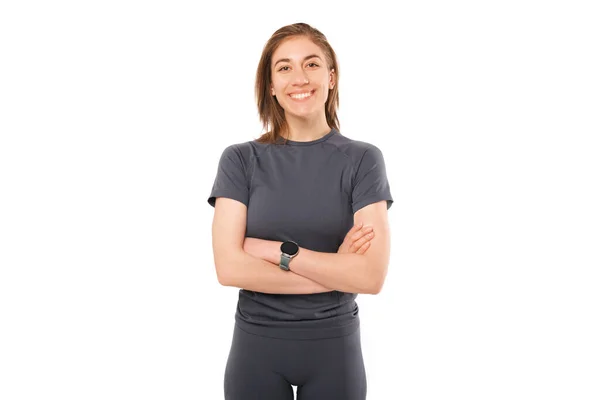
[264,368]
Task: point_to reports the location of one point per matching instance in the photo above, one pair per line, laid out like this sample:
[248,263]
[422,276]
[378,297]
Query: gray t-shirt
[306,192]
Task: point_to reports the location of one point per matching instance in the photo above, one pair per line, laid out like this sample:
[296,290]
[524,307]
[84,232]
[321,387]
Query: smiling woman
[301,83]
[301,227]
[296,85]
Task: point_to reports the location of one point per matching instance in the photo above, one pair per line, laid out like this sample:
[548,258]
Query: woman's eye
[309,64]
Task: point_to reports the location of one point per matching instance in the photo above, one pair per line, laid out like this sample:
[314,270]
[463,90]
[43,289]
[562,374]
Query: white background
[113,116]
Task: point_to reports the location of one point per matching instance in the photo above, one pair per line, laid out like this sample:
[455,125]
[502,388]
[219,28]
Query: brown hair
[270,112]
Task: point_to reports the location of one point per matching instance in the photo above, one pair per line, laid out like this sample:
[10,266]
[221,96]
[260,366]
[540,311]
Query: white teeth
[300,96]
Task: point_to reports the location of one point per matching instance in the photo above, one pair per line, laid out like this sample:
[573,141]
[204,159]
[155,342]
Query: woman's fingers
[356,237]
[362,233]
[364,248]
[365,238]
[356,228]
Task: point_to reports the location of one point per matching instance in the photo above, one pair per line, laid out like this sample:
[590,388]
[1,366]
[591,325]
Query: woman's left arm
[348,272]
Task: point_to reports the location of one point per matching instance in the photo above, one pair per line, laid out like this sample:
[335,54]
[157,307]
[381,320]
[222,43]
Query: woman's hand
[357,239]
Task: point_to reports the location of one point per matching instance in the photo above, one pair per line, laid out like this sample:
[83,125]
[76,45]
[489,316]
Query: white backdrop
[113,117]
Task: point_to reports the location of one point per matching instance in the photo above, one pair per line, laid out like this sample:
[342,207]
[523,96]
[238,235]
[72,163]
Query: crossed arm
[253,264]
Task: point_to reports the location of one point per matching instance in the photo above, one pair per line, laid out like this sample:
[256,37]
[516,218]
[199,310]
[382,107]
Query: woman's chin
[299,114]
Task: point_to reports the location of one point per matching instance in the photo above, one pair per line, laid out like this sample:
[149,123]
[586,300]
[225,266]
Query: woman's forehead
[296,49]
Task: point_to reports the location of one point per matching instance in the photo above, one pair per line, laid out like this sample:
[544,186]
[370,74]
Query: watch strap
[284,263]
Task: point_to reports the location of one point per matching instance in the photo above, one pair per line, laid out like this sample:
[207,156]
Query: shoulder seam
[358,166]
[337,148]
[238,147]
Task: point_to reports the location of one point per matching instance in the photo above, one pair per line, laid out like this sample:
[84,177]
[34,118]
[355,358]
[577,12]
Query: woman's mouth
[302,96]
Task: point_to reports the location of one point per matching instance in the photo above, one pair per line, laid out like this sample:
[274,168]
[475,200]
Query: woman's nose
[300,78]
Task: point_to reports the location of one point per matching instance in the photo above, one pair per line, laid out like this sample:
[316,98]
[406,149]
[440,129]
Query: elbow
[377,280]
[222,276]
[375,288]
[223,269]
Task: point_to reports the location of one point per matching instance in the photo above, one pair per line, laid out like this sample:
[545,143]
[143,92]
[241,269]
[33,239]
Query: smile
[302,96]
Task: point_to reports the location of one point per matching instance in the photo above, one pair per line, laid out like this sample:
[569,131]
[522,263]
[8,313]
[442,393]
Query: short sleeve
[231,178]
[370,182]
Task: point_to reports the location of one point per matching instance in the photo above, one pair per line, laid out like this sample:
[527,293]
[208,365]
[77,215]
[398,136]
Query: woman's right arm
[237,268]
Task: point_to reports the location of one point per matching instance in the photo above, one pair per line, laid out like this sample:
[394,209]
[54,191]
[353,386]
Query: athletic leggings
[264,368]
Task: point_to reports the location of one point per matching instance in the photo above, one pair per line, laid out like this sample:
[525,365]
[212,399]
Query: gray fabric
[306,192]
[263,368]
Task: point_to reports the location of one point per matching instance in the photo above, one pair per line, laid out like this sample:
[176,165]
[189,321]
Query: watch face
[290,248]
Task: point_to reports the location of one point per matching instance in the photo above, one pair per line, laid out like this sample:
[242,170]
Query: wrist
[287,251]
[275,252]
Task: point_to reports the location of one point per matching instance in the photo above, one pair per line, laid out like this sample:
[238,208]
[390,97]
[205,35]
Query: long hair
[270,112]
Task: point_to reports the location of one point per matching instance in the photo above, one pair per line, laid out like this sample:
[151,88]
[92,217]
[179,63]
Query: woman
[300,226]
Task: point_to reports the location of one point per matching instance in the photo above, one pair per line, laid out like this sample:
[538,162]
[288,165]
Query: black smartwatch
[289,250]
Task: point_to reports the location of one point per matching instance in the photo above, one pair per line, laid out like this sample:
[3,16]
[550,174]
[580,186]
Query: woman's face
[300,79]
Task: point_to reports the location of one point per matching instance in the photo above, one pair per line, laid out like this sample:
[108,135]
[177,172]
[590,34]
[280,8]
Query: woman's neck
[301,130]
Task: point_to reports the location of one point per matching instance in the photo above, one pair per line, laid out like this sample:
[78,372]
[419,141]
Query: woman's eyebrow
[288,60]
